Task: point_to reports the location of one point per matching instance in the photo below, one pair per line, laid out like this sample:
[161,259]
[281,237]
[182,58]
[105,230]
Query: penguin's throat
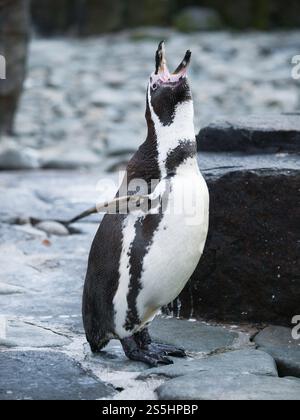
[181,124]
[181,129]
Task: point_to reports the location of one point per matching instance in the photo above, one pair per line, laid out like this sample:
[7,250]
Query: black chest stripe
[145,228]
[185,150]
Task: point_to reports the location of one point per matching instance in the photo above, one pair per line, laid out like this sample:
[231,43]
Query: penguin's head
[167,91]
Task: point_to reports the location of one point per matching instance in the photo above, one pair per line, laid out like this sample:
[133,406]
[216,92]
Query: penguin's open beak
[161,69]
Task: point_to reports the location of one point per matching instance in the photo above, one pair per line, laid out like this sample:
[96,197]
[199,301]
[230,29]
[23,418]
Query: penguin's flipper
[119,205]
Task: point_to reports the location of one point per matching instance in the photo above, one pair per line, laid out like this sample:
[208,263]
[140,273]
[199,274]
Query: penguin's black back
[102,278]
[102,281]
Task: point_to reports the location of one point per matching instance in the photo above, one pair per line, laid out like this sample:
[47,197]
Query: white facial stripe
[169,136]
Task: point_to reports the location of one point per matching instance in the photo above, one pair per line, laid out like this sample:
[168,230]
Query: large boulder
[255,133]
[14,34]
[250,267]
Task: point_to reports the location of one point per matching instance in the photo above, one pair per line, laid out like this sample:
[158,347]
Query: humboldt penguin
[140,260]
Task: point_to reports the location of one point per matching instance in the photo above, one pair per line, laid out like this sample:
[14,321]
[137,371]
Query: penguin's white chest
[177,244]
[172,254]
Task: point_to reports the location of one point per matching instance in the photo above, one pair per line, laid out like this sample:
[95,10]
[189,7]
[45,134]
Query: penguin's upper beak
[183,66]
[161,68]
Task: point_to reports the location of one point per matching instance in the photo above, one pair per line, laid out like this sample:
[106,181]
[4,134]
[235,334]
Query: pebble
[53,228]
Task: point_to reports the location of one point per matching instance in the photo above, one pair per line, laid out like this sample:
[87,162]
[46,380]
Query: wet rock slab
[229,386]
[25,334]
[52,376]
[255,133]
[279,343]
[193,336]
[247,361]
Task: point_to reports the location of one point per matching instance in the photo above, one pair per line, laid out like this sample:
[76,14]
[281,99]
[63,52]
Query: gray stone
[226,386]
[16,157]
[67,157]
[292,378]
[279,343]
[47,376]
[256,133]
[9,289]
[105,97]
[16,201]
[246,361]
[120,143]
[193,336]
[25,334]
[53,228]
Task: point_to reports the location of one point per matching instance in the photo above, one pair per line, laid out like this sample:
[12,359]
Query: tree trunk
[14,36]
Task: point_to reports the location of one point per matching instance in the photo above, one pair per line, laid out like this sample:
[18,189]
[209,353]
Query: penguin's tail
[97,347]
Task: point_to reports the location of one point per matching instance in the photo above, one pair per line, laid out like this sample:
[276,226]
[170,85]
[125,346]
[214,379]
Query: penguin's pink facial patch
[167,79]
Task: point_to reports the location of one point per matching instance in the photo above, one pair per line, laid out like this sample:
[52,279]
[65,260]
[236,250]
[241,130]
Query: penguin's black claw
[150,356]
[144,342]
[169,350]
[142,356]
[161,358]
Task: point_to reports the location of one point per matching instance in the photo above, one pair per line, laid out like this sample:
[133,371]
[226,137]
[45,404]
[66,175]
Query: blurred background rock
[86,56]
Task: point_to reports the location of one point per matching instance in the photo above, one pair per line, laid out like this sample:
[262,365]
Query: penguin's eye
[154,86]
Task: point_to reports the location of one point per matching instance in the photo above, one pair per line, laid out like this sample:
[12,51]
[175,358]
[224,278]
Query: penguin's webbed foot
[144,341]
[150,356]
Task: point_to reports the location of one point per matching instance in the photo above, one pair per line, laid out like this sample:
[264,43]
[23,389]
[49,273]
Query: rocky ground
[82,110]
[43,352]
[84,100]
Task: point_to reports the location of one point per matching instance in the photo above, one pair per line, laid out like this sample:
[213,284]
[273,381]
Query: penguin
[141,261]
